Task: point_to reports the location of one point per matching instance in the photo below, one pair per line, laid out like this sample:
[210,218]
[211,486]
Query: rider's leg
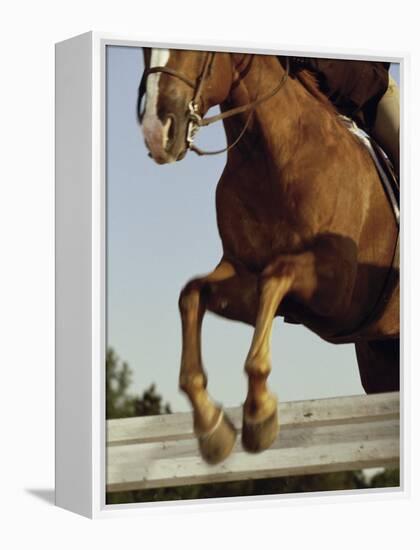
[386,129]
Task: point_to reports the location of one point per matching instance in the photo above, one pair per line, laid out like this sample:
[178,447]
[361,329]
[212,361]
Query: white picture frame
[80,267]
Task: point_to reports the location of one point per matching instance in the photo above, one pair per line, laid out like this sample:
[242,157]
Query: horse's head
[179,85]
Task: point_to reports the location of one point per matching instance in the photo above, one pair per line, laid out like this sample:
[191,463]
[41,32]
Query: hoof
[258,436]
[217,444]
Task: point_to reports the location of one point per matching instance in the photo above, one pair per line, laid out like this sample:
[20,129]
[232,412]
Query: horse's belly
[388,324]
[385,326]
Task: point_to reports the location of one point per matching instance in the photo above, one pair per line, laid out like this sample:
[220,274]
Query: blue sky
[161,231]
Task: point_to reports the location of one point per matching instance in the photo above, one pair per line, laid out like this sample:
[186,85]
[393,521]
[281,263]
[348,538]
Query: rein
[196,121]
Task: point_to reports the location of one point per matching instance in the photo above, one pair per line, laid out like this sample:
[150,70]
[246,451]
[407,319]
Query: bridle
[195,120]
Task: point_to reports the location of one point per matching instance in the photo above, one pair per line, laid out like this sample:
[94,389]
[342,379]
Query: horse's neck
[276,123]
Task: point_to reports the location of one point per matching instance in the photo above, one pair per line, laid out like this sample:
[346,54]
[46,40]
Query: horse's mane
[310,83]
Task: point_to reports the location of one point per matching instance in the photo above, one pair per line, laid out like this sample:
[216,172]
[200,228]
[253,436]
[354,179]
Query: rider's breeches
[387,124]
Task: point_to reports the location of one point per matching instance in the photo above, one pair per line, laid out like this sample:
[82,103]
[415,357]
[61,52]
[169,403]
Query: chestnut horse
[306,227]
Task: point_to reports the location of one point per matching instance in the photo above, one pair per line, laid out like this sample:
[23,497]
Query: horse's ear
[147,52]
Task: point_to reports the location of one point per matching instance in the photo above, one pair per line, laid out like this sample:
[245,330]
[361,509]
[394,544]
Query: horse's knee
[192,383]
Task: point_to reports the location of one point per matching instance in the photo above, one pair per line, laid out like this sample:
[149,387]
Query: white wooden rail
[324,435]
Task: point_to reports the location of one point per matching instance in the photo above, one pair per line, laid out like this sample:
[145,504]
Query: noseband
[195,120]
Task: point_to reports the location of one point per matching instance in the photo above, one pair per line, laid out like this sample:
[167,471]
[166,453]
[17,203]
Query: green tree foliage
[120,404]
[387,478]
[339,481]
[150,403]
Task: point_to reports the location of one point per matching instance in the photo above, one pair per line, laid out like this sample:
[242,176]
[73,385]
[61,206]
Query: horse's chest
[250,240]
[254,240]
[257,221]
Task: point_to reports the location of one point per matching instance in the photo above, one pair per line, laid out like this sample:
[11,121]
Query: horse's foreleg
[214,430]
[321,278]
[260,423]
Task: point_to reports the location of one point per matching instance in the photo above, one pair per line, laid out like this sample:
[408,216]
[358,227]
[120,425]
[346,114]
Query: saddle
[383,165]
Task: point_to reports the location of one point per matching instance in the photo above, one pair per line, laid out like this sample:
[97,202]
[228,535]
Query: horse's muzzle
[165,138]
